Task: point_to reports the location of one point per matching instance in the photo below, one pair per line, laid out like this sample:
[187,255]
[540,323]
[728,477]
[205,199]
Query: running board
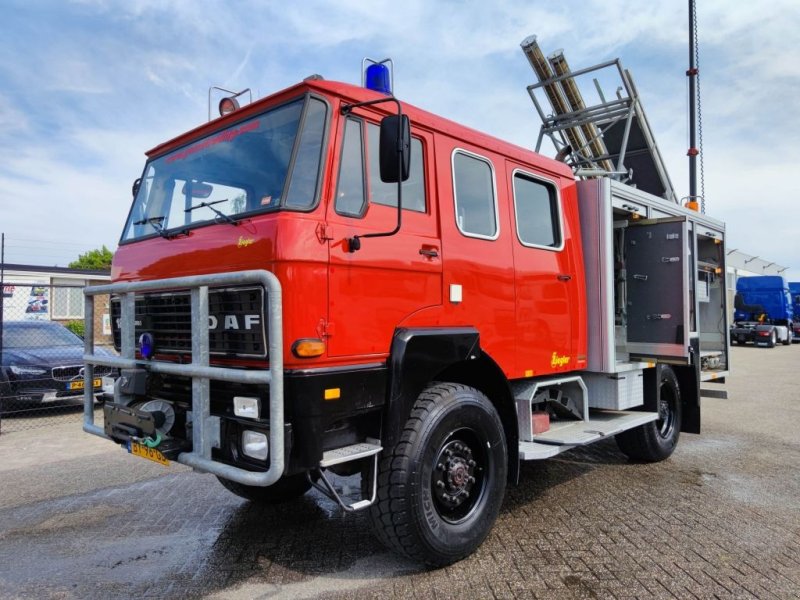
[345,454]
[337,456]
[565,436]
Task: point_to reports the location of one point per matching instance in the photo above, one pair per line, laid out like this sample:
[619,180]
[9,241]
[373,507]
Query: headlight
[108,385]
[246,407]
[254,444]
[28,370]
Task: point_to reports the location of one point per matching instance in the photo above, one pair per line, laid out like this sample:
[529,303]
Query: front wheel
[440,488]
[656,440]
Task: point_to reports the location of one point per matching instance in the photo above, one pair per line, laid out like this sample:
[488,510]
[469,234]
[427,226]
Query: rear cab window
[475,195]
[537,211]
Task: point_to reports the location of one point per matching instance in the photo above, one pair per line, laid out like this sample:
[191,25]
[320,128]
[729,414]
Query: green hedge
[76,327]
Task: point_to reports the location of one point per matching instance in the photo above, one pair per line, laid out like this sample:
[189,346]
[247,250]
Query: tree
[98,259]
[238,204]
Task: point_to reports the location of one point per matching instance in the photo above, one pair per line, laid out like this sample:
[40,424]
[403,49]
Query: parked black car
[42,362]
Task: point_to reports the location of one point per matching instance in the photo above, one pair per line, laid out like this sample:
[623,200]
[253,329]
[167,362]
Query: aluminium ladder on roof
[605,138]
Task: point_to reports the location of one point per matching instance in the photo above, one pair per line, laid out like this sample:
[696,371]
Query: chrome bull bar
[206,428]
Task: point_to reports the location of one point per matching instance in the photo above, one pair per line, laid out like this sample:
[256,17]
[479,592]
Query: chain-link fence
[41,355]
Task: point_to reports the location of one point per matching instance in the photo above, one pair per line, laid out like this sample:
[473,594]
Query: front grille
[237,321]
[76,371]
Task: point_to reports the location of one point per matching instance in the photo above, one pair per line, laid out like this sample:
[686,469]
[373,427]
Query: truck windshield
[265,163]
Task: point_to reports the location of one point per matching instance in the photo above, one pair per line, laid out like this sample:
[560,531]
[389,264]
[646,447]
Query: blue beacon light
[377,76]
[146,345]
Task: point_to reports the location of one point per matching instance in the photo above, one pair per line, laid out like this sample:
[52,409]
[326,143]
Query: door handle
[564,277]
[429,251]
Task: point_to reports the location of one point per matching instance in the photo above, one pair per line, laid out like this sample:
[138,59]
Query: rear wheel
[440,488]
[285,489]
[773,338]
[656,440]
[789,336]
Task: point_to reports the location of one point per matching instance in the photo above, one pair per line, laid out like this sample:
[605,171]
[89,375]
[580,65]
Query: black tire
[656,440]
[285,489]
[440,488]
[772,339]
[788,340]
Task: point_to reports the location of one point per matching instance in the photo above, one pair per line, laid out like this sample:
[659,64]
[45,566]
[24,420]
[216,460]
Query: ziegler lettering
[233,322]
[244,242]
[558,361]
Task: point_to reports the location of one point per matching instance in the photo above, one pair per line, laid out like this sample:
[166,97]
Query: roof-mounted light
[377,75]
[228,104]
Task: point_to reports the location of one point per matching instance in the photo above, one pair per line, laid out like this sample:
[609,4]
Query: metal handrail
[205,430]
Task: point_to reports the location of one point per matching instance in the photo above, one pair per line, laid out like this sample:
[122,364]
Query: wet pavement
[79,518]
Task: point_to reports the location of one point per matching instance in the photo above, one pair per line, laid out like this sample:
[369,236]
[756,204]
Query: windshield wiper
[220,215]
[157,224]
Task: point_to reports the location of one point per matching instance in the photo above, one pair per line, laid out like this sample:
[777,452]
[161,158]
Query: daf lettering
[234,322]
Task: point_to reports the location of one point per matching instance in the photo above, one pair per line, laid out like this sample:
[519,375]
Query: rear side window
[474,193]
[536,208]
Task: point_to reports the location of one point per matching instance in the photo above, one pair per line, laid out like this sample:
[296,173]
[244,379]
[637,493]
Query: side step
[565,436]
[346,454]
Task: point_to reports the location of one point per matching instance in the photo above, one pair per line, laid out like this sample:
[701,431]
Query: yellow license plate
[148,453]
[78,385]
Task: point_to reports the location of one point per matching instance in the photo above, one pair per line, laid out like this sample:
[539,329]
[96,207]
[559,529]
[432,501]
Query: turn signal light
[308,348]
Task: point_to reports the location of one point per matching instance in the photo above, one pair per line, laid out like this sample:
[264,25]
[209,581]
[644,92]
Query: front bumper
[206,428]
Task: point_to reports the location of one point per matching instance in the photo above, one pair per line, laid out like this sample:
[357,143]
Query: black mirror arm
[354,243]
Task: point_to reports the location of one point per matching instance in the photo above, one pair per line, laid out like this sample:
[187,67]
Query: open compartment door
[657,275]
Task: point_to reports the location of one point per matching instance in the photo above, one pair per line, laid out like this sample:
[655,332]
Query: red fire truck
[329,282]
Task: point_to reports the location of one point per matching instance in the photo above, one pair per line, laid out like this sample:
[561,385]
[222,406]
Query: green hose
[152,443]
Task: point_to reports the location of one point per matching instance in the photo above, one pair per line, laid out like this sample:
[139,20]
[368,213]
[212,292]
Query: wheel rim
[666,412]
[458,481]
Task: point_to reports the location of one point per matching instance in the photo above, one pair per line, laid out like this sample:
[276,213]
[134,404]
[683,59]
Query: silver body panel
[605,207]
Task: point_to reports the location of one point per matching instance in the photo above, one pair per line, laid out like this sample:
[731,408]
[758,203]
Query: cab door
[546,281]
[373,289]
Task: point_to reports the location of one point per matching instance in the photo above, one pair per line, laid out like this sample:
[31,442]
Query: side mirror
[395,148]
[135,186]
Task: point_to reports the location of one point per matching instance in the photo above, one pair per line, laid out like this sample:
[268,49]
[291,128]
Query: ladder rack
[601,138]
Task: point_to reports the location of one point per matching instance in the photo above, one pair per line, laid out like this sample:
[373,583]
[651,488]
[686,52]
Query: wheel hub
[454,476]
[666,416]
[663,410]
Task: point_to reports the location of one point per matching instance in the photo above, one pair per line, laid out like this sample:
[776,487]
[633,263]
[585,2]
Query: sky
[86,87]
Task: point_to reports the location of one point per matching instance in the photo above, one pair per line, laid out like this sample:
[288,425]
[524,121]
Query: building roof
[753,264]
[90,273]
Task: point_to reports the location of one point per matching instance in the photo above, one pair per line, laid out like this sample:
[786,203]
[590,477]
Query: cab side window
[354,190]
[351,198]
[536,208]
[474,193]
[386,193]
